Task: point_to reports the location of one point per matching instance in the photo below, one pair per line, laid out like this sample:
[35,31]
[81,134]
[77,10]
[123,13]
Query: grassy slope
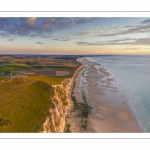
[25,104]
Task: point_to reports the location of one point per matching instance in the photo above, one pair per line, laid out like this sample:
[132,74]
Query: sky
[86,35]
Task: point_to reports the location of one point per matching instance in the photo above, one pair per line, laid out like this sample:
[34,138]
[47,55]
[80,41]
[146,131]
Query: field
[45,69]
[25,99]
[41,66]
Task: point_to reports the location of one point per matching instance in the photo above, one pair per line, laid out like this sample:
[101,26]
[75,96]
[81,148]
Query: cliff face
[61,100]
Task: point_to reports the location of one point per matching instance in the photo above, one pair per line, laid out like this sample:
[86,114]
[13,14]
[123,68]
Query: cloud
[10,40]
[133,47]
[3,35]
[31,21]
[145,21]
[89,43]
[63,38]
[35,27]
[143,41]
[44,27]
[110,42]
[34,35]
[140,41]
[52,24]
[41,43]
[20,26]
[47,23]
[122,40]
[122,30]
[46,36]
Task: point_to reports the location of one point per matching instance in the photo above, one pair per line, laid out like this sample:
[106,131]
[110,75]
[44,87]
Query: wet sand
[111,111]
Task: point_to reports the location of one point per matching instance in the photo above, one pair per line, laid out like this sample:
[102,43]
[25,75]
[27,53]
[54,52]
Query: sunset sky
[75,35]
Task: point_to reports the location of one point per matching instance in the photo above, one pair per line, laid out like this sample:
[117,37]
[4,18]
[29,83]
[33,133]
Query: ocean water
[132,76]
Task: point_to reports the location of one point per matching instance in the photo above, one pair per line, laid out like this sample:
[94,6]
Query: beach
[110,111]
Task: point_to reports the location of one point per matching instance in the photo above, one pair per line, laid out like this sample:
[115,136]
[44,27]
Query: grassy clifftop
[24,105]
[25,99]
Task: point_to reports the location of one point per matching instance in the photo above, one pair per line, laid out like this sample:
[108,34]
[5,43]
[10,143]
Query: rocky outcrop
[61,103]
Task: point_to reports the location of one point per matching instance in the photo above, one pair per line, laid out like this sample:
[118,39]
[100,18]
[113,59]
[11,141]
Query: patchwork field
[26,97]
[41,66]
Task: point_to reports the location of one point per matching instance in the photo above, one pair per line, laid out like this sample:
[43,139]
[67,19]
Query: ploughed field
[26,93]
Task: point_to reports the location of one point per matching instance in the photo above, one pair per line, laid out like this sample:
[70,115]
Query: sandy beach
[110,108]
[72,120]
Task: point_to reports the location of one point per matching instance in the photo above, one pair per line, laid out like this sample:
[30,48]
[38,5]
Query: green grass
[24,105]
[47,79]
[8,68]
[21,67]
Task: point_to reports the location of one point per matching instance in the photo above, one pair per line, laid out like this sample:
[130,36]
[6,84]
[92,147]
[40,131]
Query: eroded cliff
[61,103]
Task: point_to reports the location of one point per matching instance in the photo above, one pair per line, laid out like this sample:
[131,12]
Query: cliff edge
[61,103]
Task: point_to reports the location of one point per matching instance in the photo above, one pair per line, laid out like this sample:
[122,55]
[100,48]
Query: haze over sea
[132,77]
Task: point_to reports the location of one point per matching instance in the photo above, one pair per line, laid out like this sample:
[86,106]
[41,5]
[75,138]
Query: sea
[132,76]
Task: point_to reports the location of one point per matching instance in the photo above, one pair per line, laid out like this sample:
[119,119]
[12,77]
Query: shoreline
[72,82]
[129,106]
[72,121]
[111,110]
[131,109]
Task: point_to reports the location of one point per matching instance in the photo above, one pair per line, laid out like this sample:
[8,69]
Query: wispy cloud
[140,41]
[136,47]
[34,35]
[11,40]
[63,38]
[41,43]
[122,30]
[46,36]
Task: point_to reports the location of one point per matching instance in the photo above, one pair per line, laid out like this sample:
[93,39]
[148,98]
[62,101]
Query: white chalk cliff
[56,120]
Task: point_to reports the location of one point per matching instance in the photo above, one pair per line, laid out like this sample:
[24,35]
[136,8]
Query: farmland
[41,66]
